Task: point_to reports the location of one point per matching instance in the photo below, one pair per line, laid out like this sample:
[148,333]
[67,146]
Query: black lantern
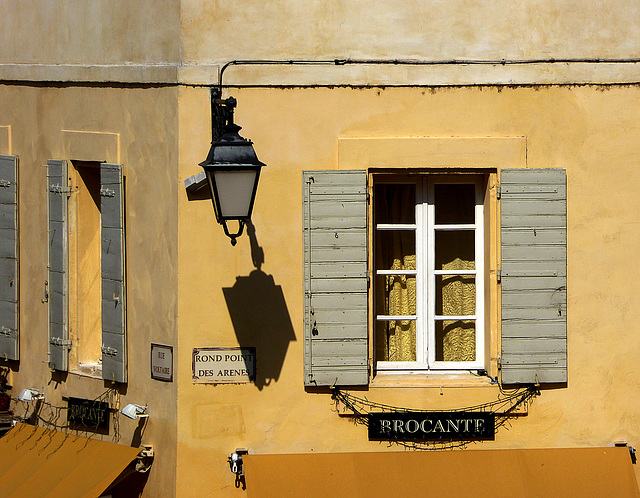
[232,168]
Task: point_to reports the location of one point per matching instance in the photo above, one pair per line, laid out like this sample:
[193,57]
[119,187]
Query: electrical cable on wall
[417,62]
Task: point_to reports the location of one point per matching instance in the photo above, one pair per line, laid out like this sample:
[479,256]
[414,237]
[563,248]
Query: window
[429,272]
[87,293]
[429,237]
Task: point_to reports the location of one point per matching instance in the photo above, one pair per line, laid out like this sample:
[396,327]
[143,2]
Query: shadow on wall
[260,316]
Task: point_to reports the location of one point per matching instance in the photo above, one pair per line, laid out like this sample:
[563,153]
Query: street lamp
[232,168]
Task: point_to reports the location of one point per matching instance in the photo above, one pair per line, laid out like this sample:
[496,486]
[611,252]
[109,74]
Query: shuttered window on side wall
[57,194]
[112,262]
[534,275]
[9,289]
[335,278]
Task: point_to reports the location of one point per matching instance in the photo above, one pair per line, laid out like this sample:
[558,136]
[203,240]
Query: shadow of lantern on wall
[260,316]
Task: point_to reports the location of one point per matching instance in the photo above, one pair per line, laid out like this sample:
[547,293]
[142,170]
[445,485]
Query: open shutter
[335,278]
[114,305]
[58,192]
[534,275]
[9,343]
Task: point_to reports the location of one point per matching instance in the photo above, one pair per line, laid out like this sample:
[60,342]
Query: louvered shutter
[114,305]
[335,278]
[534,275]
[58,192]
[9,343]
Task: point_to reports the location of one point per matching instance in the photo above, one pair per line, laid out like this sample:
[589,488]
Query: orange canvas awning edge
[460,473]
[35,461]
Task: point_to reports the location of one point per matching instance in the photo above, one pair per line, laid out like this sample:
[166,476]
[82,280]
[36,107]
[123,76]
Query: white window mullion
[420,256]
[430,279]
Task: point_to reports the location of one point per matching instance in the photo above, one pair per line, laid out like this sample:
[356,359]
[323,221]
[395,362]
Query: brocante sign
[429,426]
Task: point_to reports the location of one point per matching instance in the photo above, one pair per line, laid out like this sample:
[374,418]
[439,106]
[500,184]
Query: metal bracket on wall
[63,343]
[109,351]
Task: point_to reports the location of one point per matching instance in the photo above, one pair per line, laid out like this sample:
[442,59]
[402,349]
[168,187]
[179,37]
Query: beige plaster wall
[437,29]
[590,131]
[136,127]
[214,33]
[95,32]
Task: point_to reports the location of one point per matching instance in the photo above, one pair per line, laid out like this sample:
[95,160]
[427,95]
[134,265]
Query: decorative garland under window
[503,409]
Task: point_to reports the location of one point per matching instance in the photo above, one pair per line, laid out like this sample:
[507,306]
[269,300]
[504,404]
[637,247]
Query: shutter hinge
[499,275]
[5,331]
[105,192]
[59,189]
[5,183]
[63,343]
[498,192]
[109,351]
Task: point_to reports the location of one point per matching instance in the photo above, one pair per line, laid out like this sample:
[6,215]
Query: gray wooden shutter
[9,343]
[335,278]
[534,275]
[58,192]
[114,305]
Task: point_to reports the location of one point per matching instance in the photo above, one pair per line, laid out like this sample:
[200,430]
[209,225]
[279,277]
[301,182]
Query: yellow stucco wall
[588,130]
[179,262]
[137,128]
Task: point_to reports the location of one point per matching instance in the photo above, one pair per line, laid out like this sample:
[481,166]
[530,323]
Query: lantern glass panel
[235,191]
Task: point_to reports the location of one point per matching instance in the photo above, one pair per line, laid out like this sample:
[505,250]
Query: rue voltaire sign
[430,426]
[162,362]
[224,365]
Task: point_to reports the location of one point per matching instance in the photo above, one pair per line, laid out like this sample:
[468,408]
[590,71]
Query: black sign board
[431,426]
[88,413]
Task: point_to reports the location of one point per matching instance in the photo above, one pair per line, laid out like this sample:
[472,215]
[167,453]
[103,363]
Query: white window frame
[425,229]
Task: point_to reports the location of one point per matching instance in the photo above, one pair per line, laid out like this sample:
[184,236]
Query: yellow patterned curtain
[400,295]
[396,294]
[455,295]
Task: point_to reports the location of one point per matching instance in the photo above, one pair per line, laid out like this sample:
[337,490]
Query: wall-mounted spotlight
[30,395]
[134,412]
[232,167]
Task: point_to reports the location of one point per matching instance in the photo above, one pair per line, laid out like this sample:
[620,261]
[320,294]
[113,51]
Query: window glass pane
[395,295]
[455,295]
[395,203]
[454,203]
[395,340]
[455,250]
[395,250]
[455,340]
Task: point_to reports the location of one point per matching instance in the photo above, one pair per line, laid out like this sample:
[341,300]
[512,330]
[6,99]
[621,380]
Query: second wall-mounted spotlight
[134,412]
[29,395]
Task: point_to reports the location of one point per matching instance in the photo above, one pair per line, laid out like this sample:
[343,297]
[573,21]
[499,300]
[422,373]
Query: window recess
[428,257]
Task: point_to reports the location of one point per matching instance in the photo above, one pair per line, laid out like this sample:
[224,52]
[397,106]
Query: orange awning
[589,472]
[46,463]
